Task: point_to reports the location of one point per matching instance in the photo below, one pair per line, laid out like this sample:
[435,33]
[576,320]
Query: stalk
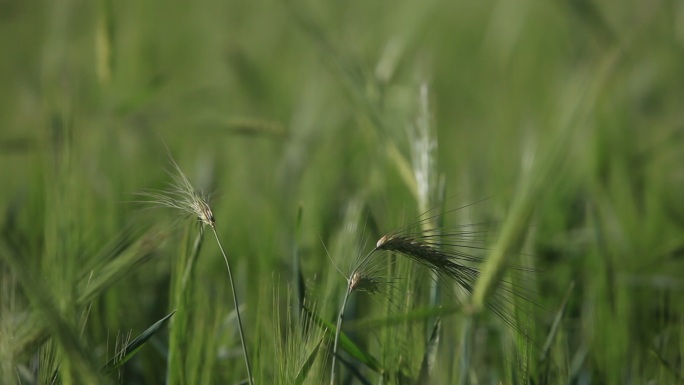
[340,316]
[354,281]
[237,309]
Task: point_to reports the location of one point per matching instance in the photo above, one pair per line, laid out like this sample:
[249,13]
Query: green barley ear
[447,261]
[184,197]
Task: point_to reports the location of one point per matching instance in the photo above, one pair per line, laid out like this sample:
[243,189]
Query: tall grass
[366,117]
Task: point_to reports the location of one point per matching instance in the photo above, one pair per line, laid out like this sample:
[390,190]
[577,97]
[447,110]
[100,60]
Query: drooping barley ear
[446,263]
[183,196]
[423,253]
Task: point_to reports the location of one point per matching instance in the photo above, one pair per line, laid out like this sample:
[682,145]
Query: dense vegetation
[417,192]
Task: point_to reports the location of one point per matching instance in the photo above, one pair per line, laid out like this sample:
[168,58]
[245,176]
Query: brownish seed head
[203,211]
[396,242]
[361,282]
[383,241]
[419,251]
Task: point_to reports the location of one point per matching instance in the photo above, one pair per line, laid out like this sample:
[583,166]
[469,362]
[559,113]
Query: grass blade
[430,355]
[354,371]
[415,315]
[346,343]
[134,346]
[306,367]
[556,324]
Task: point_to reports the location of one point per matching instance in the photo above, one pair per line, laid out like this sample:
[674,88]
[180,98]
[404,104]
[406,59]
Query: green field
[525,157]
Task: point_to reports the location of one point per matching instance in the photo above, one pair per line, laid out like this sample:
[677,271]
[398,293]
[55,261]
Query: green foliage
[319,127]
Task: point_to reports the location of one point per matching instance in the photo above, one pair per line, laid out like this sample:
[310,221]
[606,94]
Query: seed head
[182,196]
[364,282]
[201,208]
[382,241]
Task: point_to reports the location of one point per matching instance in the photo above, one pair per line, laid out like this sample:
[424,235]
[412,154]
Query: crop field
[353,192]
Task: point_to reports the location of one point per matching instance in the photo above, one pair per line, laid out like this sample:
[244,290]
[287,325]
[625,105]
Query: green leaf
[430,354]
[346,343]
[556,324]
[131,349]
[416,315]
[304,370]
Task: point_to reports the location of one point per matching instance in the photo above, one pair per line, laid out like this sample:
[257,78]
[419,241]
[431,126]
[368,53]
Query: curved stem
[338,331]
[237,310]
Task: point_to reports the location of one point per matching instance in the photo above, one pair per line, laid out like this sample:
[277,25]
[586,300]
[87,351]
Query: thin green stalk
[237,308]
[340,316]
[465,359]
[354,281]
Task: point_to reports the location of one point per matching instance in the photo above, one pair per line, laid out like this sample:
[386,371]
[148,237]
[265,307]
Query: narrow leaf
[556,323]
[346,343]
[131,349]
[304,370]
[430,354]
[354,371]
[416,315]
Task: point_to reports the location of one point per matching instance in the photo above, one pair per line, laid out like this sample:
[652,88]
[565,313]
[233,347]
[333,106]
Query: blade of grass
[430,356]
[134,346]
[296,268]
[346,343]
[415,315]
[306,367]
[556,324]
[354,371]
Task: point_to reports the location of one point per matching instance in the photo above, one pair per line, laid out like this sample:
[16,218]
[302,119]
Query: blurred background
[317,127]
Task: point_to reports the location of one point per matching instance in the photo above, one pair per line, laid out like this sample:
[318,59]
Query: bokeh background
[318,127]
